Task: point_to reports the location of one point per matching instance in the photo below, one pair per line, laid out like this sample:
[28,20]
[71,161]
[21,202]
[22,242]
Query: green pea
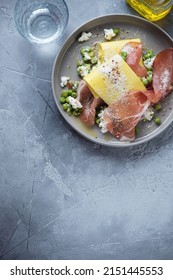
[70,91]
[85,49]
[62,99]
[149,79]
[157,107]
[148,54]
[64,93]
[74,94]
[91,54]
[158,121]
[124,55]
[67,100]
[65,106]
[79,63]
[149,73]
[75,113]
[116,30]
[145,81]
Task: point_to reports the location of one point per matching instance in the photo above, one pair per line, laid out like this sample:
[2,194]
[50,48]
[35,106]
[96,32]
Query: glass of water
[41,21]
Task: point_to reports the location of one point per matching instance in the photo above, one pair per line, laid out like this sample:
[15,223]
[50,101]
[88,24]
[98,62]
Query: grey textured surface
[62,197]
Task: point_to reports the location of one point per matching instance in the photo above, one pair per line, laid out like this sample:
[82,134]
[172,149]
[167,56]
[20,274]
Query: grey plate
[152,37]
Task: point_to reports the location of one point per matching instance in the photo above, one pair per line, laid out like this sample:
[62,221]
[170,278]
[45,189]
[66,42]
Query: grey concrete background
[62,197]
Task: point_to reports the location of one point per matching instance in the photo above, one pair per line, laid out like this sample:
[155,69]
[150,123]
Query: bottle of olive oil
[153,10]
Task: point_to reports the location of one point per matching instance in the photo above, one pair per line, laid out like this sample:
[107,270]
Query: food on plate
[163,73]
[89,103]
[84,37]
[121,85]
[121,117]
[110,33]
[89,60]
[64,81]
[133,52]
[109,49]
[112,80]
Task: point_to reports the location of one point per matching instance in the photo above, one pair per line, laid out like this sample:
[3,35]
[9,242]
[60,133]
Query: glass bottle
[153,10]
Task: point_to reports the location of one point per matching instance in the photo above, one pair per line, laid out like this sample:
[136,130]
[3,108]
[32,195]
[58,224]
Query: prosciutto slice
[89,103]
[152,96]
[163,73]
[162,76]
[134,54]
[122,116]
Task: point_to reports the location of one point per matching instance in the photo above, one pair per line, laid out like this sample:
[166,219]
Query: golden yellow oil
[153,10]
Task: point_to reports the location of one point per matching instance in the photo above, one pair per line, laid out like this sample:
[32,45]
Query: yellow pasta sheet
[113,79]
[109,49]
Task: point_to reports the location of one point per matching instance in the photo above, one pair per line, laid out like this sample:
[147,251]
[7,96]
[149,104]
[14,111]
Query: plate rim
[65,46]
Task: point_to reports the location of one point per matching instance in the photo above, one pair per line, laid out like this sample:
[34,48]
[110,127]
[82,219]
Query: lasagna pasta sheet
[109,49]
[112,80]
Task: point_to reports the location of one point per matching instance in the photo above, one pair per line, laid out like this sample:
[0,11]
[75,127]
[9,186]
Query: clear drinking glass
[41,21]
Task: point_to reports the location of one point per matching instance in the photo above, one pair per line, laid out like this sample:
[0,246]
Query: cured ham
[153,97]
[162,76]
[122,116]
[134,54]
[163,73]
[88,102]
[83,92]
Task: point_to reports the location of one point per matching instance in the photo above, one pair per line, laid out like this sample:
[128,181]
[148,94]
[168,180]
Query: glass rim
[18,20]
